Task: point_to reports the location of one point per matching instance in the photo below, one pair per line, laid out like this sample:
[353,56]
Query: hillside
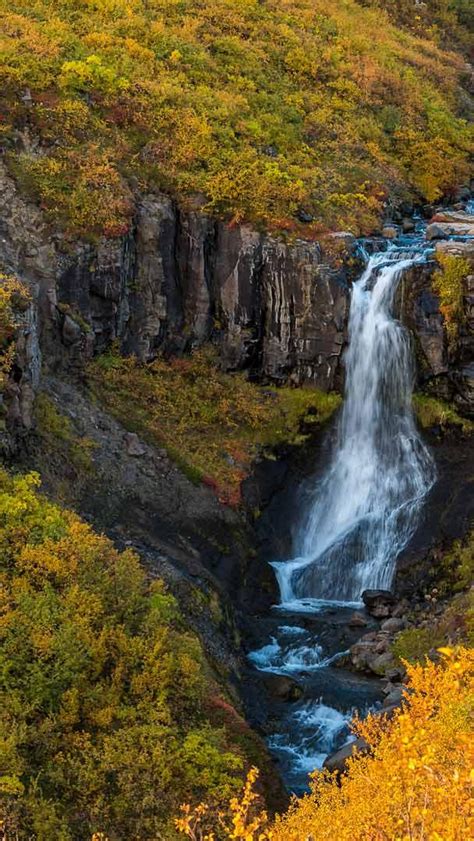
[286,113]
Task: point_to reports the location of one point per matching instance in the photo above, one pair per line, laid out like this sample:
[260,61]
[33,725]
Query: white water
[283,657]
[318,727]
[365,509]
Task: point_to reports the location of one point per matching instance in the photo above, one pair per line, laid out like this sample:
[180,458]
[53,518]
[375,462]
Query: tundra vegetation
[273,111]
[212,423]
[106,699]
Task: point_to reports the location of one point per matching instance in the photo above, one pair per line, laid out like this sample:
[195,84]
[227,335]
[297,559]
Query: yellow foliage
[14,299]
[448,283]
[415,785]
[241,821]
[104,696]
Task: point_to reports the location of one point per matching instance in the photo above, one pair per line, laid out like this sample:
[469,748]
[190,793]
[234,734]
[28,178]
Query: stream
[359,516]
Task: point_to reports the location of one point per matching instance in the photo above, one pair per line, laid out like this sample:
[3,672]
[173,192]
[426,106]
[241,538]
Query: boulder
[133,445]
[338,761]
[357,620]
[453,223]
[457,249]
[390,231]
[381,663]
[408,225]
[436,231]
[396,675]
[393,625]
[379,603]
[283,688]
[394,697]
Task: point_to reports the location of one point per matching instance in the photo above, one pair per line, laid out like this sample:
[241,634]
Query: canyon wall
[180,279]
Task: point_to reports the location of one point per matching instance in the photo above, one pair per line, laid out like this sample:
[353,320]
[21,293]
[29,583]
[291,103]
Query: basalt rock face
[175,281]
[444,369]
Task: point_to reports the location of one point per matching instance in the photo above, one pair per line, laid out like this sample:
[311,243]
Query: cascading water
[359,518]
[366,507]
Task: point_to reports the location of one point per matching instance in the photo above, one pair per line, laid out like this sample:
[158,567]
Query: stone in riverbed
[390,231]
[394,697]
[396,675]
[283,688]
[408,225]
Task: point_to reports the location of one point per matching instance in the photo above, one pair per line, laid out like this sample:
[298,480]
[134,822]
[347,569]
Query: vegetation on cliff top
[270,110]
[416,783]
[210,422]
[105,698]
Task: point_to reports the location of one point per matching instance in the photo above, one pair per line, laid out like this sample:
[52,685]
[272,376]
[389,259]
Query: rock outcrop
[450,223]
[178,280]
[446,371]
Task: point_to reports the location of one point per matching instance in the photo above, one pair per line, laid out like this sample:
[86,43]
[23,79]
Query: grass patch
[57,432]
[454,626]
[211,423]
[433,412]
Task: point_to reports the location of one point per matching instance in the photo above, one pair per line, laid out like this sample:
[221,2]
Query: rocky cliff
[180,279]
[175,281]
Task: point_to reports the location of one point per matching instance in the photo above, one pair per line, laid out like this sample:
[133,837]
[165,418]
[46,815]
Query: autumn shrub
[415,783]
[266,109]
[458,564]
[448,283]
[14,300]
[103,692]
[212,423]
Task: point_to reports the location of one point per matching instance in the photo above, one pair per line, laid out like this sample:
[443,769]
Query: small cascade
[365,509]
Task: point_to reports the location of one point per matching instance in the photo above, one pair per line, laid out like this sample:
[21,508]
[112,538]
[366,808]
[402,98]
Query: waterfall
[366,506]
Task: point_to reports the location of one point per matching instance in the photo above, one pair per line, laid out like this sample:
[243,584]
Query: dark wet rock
[282,688]
[338,760]
[379,603]
[408,225]
[176,281]
[396,675]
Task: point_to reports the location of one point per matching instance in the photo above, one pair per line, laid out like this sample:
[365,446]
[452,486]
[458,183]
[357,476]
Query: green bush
[104,695]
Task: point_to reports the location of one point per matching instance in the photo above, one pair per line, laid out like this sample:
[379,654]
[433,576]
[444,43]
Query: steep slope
[284,112]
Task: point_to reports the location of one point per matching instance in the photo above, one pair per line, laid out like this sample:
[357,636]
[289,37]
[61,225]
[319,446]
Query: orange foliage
[415,785]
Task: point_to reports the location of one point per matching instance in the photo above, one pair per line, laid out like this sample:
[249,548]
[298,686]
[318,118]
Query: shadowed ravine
[360,516]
